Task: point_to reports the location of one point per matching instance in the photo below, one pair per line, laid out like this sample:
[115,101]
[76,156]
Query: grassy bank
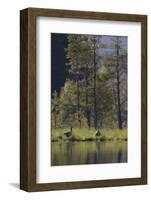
[84,134]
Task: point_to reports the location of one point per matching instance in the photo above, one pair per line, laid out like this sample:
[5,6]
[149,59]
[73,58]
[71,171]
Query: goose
[69,133]
[98,132]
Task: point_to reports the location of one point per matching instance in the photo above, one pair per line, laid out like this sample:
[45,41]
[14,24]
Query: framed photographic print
[83,93]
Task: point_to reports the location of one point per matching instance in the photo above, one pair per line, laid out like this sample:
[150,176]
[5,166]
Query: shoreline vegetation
[85,135]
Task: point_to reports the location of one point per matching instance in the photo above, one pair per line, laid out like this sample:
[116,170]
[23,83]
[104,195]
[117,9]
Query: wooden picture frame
[28,99]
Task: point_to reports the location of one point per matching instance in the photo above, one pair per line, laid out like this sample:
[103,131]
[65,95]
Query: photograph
[83,99]
[88,99]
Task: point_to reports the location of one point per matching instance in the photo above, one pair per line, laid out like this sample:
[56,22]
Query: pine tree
[117,63]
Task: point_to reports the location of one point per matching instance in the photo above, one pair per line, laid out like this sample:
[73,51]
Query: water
[74,153]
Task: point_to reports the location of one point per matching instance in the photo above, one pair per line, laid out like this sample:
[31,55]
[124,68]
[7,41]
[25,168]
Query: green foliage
[88,99]
[55,110]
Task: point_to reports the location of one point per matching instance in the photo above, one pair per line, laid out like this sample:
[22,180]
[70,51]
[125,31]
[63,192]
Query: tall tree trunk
[55,120]
[94,86]
[118,88]
[115,102]
[78,103]
[86,98]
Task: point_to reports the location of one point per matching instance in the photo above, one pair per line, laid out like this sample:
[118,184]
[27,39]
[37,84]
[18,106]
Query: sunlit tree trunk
[118,87]
[94,85]
[78,103]
[86,98]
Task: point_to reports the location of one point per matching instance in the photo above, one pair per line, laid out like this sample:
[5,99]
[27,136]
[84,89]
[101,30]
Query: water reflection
[74,153]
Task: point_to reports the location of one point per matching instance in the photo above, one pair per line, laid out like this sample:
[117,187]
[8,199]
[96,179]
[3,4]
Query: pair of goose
[69,133]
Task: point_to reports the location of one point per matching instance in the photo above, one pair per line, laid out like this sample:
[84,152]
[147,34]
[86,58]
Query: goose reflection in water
[74,153]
